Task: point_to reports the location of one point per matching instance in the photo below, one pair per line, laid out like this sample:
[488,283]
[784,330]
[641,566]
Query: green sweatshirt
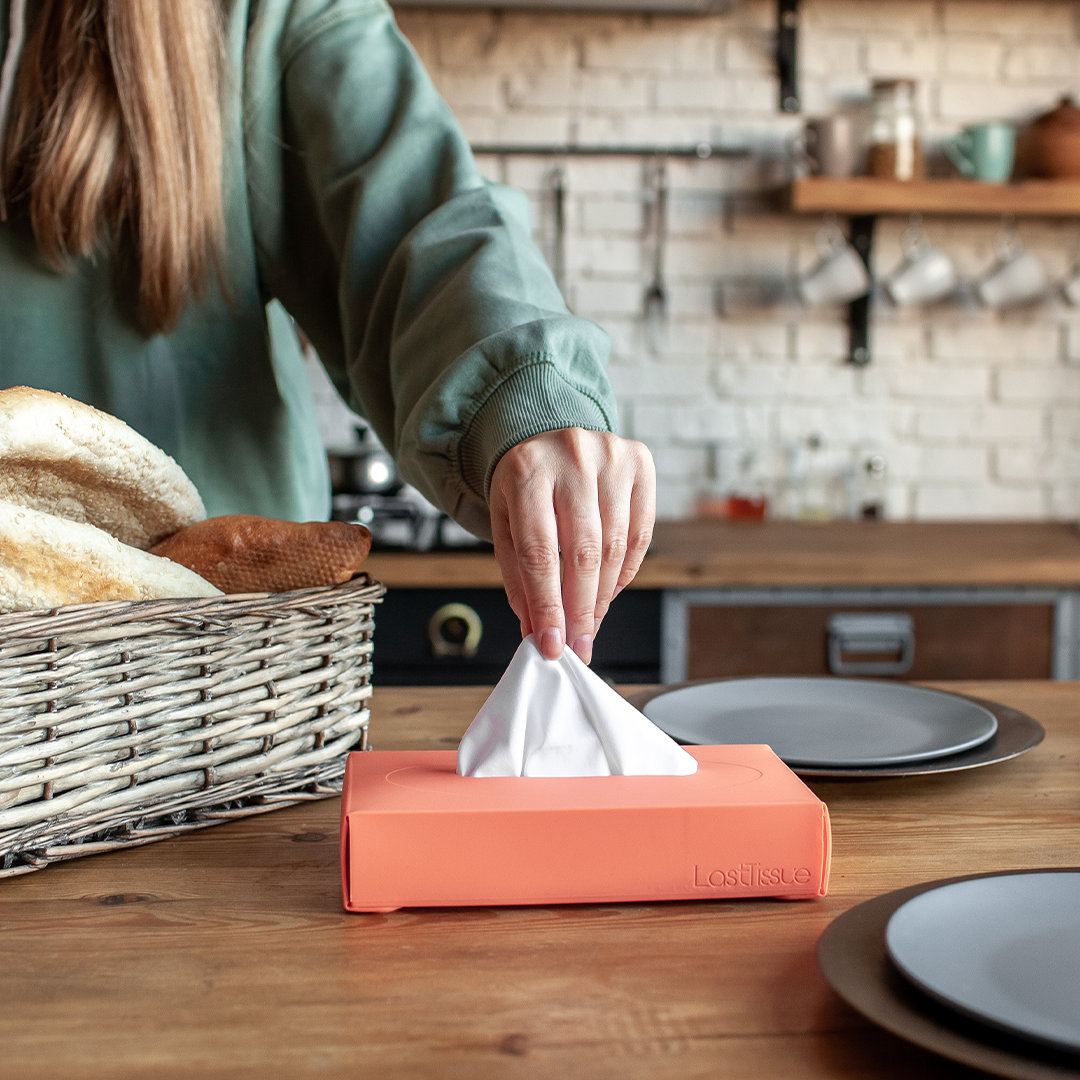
[354,204]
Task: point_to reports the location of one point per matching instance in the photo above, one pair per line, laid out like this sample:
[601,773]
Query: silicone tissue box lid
[416,834]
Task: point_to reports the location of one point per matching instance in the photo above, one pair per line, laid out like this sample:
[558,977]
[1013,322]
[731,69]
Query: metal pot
[368,472]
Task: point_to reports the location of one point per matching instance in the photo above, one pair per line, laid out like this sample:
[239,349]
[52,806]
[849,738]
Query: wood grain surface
[698,554]
[991,641]
[871,195]
[227,953]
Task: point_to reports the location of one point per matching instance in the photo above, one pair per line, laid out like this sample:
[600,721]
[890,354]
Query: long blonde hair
[115,136]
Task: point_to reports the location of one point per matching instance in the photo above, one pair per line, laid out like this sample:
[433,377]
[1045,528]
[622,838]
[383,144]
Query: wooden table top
[697,554]
[227,952]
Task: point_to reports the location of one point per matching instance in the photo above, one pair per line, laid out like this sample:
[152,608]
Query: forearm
[417,281]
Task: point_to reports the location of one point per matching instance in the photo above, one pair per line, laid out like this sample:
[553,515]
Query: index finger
[507,560]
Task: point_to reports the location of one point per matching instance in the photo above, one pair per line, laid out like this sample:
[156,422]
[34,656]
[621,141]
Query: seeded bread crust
[59,456]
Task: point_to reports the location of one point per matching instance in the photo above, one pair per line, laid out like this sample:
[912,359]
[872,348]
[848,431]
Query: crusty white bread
[48,561]
[62,457]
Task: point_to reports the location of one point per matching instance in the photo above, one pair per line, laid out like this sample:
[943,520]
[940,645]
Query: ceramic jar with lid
[895,139]
[1053,142]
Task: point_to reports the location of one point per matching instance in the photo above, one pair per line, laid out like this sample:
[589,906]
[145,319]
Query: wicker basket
[123,723]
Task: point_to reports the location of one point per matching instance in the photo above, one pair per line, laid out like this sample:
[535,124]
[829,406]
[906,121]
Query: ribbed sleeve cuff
[532,399]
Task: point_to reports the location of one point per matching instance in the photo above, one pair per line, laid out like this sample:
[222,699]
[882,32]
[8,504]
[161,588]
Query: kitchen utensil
[832,144]
[983,151]
[1017,277]
[1004,950]
[853,960]
[1052,143]
[825,722]
[557,186]
[925,274]
[839,275]
[656,294]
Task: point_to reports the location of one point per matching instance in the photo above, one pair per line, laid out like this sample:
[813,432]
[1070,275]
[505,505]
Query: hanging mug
[1017,277]
[926,273]
[1071,288]
[840,275]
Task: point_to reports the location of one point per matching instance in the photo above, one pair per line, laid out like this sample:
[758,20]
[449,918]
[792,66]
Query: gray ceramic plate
[1004,950]
[825,723]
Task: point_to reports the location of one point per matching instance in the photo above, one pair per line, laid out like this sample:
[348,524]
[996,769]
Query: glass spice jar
[895,145]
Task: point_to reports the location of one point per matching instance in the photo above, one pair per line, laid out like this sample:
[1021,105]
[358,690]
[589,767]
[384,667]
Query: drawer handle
[871,633]
[455,630]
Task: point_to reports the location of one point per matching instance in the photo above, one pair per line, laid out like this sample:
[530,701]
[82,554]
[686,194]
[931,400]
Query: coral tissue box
[415,834]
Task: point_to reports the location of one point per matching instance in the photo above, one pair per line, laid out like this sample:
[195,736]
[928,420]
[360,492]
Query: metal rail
[703,151]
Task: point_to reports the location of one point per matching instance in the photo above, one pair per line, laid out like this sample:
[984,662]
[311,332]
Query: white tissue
[558,718]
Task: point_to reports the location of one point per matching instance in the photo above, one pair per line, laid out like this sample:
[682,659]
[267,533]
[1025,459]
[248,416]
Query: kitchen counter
[699,554]
[226,952]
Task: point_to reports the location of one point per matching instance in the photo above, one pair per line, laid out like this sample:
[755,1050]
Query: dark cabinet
[430,637]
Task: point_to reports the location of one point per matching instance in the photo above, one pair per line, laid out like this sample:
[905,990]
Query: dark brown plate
[1017,733]
[853,960]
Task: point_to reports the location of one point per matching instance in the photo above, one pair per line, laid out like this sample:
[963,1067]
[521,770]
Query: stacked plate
[844,727]
[984,970]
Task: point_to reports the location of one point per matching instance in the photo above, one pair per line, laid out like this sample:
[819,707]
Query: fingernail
[583,647]
[551,643]
[618,589]
[595,625]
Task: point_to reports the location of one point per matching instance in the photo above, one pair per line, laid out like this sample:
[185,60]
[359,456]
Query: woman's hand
[591,496]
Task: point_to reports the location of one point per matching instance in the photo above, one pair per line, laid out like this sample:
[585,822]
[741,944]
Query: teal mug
[984,151]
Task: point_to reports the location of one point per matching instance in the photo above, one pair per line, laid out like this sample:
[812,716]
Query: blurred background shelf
[720,599]
[870,195]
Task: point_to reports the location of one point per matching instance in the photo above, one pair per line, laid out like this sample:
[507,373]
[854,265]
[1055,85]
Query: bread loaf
[59,456]
[48,561]
[242,553]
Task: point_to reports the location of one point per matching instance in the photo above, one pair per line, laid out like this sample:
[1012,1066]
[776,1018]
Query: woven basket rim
[52,621]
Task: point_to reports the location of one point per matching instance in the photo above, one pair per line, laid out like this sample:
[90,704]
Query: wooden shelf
[868,195]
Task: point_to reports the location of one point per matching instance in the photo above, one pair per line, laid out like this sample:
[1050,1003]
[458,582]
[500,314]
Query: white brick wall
[977,414]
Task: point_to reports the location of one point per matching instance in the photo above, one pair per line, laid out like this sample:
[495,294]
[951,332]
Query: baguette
[241,553]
